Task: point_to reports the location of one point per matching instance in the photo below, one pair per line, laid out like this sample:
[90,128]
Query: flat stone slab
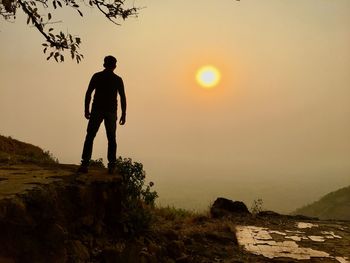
[325,240]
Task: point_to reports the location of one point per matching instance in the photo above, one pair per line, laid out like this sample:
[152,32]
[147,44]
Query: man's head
[110,62]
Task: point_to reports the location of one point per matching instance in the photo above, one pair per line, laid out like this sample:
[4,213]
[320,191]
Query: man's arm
[123,103]
[88,97]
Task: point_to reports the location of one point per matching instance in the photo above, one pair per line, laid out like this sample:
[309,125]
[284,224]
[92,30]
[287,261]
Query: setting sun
[208,76]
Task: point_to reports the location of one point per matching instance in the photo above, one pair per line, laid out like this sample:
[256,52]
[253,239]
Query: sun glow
[208,76]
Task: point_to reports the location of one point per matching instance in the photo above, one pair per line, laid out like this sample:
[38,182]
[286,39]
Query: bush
[49,158]
[137,197]
[256,207]
[98,163]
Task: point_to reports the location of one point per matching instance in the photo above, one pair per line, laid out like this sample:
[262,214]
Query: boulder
[225,207]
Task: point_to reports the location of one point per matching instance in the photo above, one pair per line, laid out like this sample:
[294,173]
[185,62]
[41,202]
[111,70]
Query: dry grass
[200,237]
[13,151]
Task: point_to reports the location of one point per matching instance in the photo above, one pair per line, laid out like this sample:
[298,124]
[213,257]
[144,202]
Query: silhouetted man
[107,85]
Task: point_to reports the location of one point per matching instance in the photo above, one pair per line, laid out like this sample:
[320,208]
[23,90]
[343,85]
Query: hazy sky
[277,127]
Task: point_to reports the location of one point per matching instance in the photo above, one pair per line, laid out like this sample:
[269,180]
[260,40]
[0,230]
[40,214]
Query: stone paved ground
[316,241]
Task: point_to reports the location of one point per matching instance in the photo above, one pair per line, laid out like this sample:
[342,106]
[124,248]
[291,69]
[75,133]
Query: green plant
[137,196]
[256,206]
[97,163]
[134,182]
[50,158]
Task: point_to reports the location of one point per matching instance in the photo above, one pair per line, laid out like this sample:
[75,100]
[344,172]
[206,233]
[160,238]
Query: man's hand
[87,115]
[122,119]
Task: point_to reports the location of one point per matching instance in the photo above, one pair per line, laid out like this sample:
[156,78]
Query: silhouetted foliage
[97,163]
[134,182]
[138,197]
[40,15]
[256,207]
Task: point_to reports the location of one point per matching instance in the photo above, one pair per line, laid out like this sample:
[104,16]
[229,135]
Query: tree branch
[58,43]
[106,14]
[38,25]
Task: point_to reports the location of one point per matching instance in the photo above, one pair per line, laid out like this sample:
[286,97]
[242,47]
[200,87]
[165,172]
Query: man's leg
[93,126]
[110,120]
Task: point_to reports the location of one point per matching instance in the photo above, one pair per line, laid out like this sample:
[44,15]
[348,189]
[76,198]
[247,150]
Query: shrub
[49,158]
[98,163]
[256,206]
[137,196]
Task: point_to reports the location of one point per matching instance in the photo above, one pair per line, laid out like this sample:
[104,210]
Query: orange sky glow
[276,123]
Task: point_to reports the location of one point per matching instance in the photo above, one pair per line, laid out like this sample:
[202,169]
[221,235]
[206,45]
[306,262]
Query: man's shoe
[83,169]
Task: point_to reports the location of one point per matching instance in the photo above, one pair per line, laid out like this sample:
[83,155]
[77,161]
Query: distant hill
[335,205]
[15,151]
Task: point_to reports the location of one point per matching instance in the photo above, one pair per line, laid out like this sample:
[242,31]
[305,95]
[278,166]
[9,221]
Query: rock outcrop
[49,214]
[225,207]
